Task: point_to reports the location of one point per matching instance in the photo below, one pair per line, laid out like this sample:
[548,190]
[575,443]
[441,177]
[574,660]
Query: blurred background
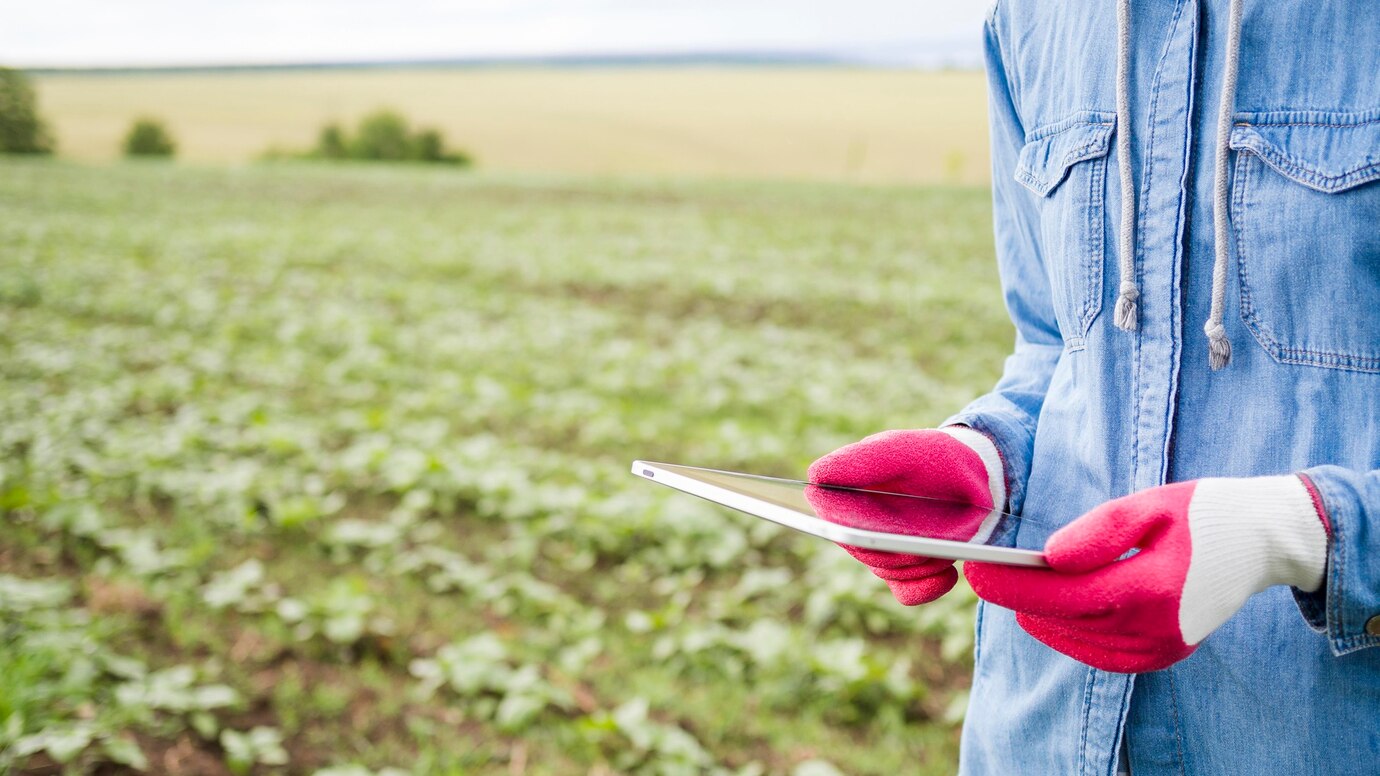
[328,332]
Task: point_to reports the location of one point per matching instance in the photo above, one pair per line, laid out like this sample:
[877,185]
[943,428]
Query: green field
[310,467]
[834,124]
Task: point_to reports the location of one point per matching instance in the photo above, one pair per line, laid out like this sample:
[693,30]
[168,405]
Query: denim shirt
[1086,412]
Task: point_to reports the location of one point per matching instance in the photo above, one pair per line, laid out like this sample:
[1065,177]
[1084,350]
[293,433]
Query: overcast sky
[128,32]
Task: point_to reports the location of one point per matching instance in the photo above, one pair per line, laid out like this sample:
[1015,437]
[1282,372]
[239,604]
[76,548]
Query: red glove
[957,466]
[1204,547]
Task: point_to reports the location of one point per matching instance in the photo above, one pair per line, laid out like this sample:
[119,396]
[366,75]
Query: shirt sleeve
[1347,606]
[1009,414]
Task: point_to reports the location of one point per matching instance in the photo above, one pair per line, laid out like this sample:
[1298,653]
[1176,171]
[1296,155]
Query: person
[1208,499]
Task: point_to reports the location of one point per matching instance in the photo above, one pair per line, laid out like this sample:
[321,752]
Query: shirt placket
[1163,142]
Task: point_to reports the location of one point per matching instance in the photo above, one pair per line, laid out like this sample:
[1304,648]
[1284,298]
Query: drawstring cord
[1126,317]
[1129,293]
[1219,347]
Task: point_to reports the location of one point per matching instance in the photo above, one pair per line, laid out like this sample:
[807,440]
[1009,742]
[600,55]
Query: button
[1373,625]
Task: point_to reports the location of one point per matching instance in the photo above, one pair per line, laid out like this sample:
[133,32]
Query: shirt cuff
[1014,443]
[1346,608]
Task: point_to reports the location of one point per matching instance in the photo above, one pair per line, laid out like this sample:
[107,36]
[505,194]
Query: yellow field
[816,123]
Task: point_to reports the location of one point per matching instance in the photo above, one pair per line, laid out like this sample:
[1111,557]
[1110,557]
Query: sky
[191,32]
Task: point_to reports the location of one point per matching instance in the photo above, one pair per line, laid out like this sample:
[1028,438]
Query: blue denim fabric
[1086,412]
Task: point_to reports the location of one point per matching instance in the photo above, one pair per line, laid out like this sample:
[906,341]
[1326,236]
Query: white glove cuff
[1248,535]
[981,444]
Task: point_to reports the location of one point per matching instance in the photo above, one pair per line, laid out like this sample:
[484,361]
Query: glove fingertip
[913,592]
[982,576]
[1067,553]
[837,468]
[1092,541]
[819,468]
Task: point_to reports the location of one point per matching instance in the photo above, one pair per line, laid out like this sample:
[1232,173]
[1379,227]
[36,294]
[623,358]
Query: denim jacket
[1086,411]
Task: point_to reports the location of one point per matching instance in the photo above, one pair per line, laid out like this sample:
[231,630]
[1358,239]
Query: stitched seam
[1087,708]
[1094,256]
[1366,364]
[1248,313]
[1181,187]
[1353,643]
[1309,116]
[1090,148]
[1030,181]
[1045,185]
[1138,362]
[1136,393]
[1334,124]
[1142,216]
[1088,117]
[1178,732]
[1251,316]
[1338,614]
[1294,167]
[1127,684]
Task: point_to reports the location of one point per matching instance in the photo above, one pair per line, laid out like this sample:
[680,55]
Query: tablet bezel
[682,478]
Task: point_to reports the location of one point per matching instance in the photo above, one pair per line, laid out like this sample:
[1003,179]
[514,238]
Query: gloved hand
[1203,548]
[956,464]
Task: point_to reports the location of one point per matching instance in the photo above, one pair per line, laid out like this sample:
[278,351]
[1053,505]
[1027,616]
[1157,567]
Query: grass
[803,123]
[308,468]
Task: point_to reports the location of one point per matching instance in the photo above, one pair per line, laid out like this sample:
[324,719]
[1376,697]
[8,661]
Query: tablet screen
[868,510]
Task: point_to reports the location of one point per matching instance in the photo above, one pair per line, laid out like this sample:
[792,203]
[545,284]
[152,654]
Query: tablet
[891,522]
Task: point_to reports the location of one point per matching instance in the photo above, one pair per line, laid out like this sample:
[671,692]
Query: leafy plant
[22,130]
[343,613]
[64,693]
[260,745]
[148,136]
[67,744]
[637,743]
[479,670]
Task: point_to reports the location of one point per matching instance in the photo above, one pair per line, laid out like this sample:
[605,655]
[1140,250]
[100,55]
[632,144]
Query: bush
[330,144]
[148,137]
[385,135]
[382,135]
[429,146]
[22,131]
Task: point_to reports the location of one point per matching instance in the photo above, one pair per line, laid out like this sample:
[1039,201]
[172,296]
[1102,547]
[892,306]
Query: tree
[148,137]
[22,131]
[382,135]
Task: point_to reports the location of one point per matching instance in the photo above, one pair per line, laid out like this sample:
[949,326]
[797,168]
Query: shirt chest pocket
[1305,218]
[1065,165]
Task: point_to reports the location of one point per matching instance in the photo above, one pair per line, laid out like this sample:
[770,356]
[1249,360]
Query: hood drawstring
[1129,293]
[1219,347]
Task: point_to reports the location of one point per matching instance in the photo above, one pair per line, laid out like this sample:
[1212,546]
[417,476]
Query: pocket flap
[1050,151]
[1329,152]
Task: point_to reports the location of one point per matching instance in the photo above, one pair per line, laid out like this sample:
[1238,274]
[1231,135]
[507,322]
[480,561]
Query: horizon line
[920,60]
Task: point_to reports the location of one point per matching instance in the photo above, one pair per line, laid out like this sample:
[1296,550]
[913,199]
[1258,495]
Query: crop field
[313,469]
[833,124]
